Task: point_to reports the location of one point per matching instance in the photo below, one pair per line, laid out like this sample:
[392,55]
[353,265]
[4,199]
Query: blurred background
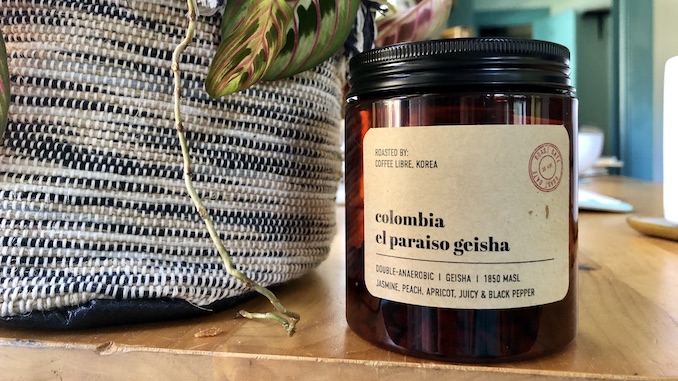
[619,48]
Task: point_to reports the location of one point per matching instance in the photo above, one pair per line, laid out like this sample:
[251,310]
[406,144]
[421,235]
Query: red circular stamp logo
[546,167]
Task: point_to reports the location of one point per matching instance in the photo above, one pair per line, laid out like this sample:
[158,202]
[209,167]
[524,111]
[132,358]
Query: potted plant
[228,152]
[263,40]
[110,127]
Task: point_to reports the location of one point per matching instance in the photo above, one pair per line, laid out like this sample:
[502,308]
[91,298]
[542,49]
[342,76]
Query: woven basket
[96,225]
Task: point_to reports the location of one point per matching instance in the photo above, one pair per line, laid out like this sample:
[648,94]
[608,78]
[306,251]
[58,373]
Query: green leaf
[423,21]
[235,14]
[257,34]
[319,30]
[272,39]
[4,87]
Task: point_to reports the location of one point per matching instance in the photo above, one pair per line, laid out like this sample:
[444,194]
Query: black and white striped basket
[96,226]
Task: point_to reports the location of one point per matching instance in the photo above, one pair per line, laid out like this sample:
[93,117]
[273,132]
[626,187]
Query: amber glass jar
[461,191]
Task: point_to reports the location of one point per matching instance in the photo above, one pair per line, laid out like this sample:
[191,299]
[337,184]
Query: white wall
[665,46]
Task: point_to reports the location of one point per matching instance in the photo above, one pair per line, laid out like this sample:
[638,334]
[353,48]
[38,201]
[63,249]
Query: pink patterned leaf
[272,39]
[255,36]
[423,21]
[320,28]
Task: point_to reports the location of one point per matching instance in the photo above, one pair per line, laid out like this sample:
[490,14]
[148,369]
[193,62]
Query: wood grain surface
[628,325]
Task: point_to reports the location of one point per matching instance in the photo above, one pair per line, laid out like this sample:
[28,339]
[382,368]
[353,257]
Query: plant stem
[287,318]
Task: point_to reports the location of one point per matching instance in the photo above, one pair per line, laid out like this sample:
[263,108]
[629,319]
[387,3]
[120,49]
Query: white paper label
[471,217]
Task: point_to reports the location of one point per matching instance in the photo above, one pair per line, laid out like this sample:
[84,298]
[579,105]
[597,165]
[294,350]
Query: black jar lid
[504,62]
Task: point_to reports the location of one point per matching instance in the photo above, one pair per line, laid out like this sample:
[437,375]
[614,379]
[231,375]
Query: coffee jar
[461,212]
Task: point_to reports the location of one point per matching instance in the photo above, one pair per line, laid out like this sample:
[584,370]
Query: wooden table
[628,326]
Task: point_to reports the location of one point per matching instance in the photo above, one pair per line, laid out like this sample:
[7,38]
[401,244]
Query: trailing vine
[271,39]
[288,319]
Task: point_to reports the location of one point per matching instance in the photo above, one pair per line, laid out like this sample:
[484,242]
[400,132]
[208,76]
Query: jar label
[470,217]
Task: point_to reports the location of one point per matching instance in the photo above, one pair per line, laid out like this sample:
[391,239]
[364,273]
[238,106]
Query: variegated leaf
[246,54]
[4,87]
[423,21]
[319,30]
[234,15]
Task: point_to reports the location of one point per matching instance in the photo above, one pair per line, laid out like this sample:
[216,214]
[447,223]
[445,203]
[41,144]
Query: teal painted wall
[560,28]
[634,75]
[594,51]
[509,18]
[462,14]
